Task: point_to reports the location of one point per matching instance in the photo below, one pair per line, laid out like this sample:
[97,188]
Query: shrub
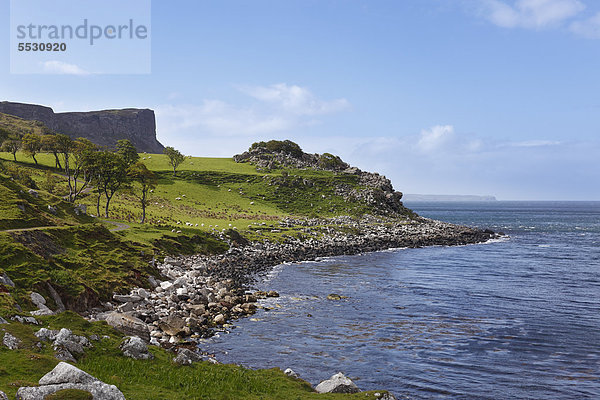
[278,146]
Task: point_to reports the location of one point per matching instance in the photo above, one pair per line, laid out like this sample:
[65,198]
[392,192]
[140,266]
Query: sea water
[517,318]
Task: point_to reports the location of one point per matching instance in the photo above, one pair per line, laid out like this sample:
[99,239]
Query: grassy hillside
[20,127]
[156,379]
[44,248]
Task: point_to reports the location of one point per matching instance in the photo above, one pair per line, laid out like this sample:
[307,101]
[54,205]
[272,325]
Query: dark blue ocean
[517,318]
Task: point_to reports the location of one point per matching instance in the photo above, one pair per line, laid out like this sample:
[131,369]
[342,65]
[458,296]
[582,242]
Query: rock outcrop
[101,127]
[65,376]
[338,383]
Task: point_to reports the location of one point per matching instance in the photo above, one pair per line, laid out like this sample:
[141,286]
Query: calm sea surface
[514,319]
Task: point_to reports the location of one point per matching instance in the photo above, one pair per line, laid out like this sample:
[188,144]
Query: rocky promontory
[103,128]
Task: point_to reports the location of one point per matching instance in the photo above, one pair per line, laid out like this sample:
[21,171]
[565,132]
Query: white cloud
[275,109]
[533,143]
[295,99]
[531,14]
[63,68]
[589,28]
[435,137]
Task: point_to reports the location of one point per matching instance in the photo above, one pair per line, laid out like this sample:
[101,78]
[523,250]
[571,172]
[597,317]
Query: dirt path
[119,226]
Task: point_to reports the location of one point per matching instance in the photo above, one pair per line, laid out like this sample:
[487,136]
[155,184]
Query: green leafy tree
[144,181]
[80,167]
[64,148]
[175,158]
[12,145]
[50,145]
[31,145]
[128,151]
[110,175]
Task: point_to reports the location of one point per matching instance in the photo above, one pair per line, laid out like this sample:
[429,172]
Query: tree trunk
[57,164]
[15,156]
[98,203]
[34,159]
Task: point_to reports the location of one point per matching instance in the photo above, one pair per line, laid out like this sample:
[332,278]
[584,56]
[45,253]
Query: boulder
[186,357]
[172,325]
[74,344]
[6,281]
[45,334]
[128,325]
[65,376]
[33,193]
[290,372]
[10,341]
[3,321]
[338,383]
[3,396]
[135,348]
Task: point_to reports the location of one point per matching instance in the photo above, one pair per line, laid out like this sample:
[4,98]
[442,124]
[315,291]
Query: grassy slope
[88,262]
[145,380]
[21,126]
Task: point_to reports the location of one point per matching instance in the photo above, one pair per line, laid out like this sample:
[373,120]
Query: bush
[19,175]
[278,146]
[329,161]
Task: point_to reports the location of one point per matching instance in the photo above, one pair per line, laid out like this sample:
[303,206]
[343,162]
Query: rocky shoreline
[199,294]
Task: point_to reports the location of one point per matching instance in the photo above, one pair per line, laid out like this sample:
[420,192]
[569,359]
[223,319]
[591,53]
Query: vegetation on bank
[157,379]
[186,205]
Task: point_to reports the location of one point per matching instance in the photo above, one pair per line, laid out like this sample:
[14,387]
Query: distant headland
[446,197]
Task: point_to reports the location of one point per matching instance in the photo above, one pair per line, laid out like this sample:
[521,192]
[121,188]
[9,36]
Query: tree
[64,146]
[110,175]
[80,168]
[12,145]
[31,144]
[50,145]
[175,158]
[146,180]
[128,151]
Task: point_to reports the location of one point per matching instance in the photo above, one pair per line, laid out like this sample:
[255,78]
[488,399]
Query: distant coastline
[446,197]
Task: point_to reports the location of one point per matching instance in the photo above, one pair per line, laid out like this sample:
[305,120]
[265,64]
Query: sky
[484,97]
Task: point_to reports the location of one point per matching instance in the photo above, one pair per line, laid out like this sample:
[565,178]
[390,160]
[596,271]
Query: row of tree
[85,165]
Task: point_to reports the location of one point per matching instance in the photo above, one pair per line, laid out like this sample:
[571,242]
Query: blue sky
[498,97]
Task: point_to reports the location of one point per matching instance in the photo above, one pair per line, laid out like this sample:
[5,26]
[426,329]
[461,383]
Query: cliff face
[101,127]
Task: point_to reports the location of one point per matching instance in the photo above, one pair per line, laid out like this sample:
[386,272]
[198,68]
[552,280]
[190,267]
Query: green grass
[19,126]
[148,379]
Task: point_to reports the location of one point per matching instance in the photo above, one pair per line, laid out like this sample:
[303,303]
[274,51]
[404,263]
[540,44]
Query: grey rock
[290,372]
[3,321]
[5,280]
[38,299]
[3,396]
[186,357]
[52,210]
[129,325]
[125,298]
[25,320]
[80,209]
[66,376]
[33,192]
[63,354]
[45,334]
[172,325]
[135,348]
[338,383]
[10,341]
[73,343]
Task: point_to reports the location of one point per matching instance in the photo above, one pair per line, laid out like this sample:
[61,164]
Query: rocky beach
[199,294]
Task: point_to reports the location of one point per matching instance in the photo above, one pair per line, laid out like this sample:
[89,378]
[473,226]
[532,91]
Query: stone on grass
[338,383]
[65,376]
[135,348]
[10,341]
[5,280]
[290,372]
[186,357]
[129,325]
[3,396]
